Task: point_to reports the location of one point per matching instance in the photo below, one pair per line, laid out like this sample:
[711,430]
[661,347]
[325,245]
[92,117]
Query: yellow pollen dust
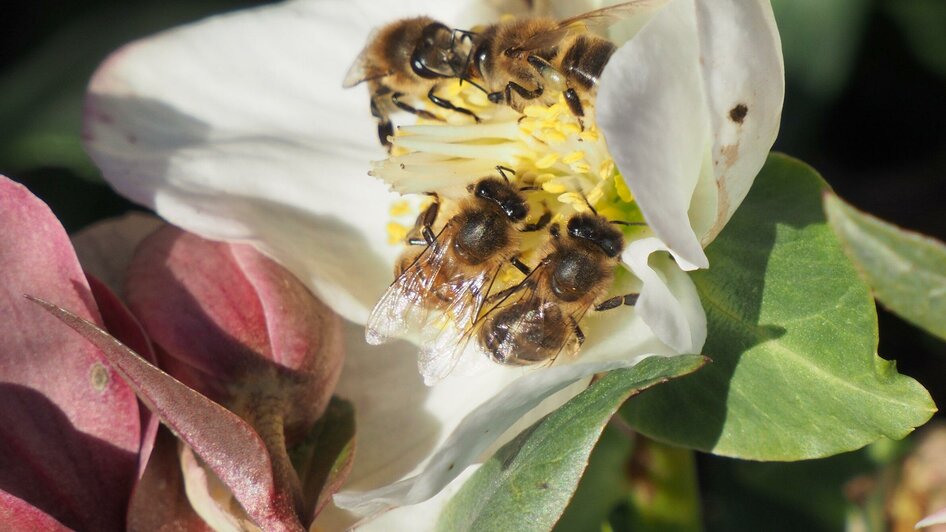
[560,162]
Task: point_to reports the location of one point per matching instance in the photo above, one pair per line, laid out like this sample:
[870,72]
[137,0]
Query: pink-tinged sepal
[227,445]
[18,515]
[237,326]
[69,427]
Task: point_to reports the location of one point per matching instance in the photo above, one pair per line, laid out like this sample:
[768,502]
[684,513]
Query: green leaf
[604,485]
[528,482]
[906,270]
[325,457]
[792,332]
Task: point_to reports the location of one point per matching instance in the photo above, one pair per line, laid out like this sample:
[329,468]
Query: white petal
[650,107]
[669,104]
[105,248]
[238,128]
[669,303]
[488,422]
[729,28]
[421,516]
[938,518]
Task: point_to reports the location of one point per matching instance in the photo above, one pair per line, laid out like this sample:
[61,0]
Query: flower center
[560,163]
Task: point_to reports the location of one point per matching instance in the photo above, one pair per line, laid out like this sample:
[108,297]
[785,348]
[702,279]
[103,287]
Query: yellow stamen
[400,208]
[561,163]
[396,232]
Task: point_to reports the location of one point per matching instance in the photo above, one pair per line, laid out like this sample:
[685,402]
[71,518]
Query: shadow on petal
[47,462]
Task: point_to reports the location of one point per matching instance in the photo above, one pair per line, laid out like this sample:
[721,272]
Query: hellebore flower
[77,448]
[236,128]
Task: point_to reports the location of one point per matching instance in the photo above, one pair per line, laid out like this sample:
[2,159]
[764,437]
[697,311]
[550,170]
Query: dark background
[865,105]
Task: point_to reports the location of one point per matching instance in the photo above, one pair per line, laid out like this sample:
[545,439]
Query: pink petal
[18,515]
[239,321]
[159,501]
[105,248]
[69,429]
[226,444]
[122,325]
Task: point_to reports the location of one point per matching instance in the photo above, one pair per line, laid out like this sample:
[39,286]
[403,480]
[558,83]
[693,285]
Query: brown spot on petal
[729,154]
[98,376]
[738,113]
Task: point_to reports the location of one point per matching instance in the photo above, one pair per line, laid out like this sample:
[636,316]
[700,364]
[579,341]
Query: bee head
[503,195]
[597,230]
[433,53]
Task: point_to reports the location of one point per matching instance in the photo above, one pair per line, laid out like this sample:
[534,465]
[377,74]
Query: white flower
[237,128]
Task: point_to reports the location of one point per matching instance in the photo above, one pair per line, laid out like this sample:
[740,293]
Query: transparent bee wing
[403,307]
[532,312]
[596,21]
[444,341]
[360,70]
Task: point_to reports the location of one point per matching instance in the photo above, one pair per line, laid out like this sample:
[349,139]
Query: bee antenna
[471,82]
[622,222]
[507,169]
[588,203]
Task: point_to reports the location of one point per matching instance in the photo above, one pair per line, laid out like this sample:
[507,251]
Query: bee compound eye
[611,247]
[516,211]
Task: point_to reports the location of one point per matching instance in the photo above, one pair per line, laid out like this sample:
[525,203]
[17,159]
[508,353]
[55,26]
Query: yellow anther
[606,169]
[399,208]
[450,90]
[589,135]
[622,189]
[547,161]
[581,168]
[534,111]
[573,157]
[543,178]
[396,232]
[552,135]
[569,128]
[596,195]
[576,200]
[554,187]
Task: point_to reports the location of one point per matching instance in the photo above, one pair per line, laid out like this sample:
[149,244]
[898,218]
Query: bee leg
[616,301]
[396,100]
[385,128]
[447,105]
[540,223]
[506,94]
[520,266]
[578,332]
[574,104]
[502,294]
[426,221]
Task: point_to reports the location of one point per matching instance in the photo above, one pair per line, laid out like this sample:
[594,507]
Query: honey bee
[537,320]
[453,273]
[531,58]
[405,61]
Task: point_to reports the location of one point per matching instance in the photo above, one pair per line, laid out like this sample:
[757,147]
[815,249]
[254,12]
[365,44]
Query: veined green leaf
[528,482]
[907,271]
[793,337]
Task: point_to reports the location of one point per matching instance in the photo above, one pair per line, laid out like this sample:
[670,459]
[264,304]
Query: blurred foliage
[923,23]
[41,107]
[835,27]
